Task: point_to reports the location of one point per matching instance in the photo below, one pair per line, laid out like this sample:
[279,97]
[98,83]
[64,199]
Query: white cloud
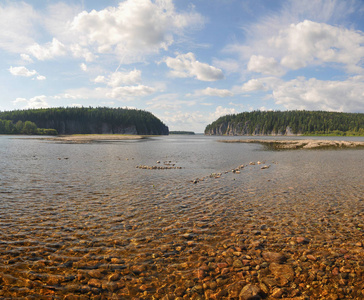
[41,77]
[26,58]
[120,78]
[169,102]
[17,23]
[134,28]
[130,91]
[19,100]
[314,43]
[253,85]
[83,67]
[22,71]
[287,42]
[313,94]
[38,102]
[48,51]
[186,65]
[264,65]
[82,52]
[35,102]
[222,111]
[214,92]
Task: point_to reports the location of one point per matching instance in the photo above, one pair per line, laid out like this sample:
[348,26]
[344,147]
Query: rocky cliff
[243,128]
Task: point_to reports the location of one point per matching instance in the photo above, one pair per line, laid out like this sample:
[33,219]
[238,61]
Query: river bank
[300,144]
[90,138]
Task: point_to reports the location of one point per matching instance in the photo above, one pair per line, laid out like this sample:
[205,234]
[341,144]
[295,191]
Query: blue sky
[187,62]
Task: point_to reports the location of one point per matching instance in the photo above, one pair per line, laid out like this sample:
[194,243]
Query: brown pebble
[250,292]
[285,273]
[311,257]
[302,240]
[274,257]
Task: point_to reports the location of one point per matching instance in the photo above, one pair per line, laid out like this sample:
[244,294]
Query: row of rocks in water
[236,170]
[158,167]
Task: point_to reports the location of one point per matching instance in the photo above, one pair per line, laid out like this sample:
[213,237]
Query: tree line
[67,120]
[20,127]
[299,122]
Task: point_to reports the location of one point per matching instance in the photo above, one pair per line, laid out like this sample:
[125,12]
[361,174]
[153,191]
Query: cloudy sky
[187,62]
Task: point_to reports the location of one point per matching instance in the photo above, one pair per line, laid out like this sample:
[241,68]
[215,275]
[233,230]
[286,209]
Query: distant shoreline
[89,138]
[300,144]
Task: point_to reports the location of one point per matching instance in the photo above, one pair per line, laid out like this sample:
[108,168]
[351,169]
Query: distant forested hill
[85,120]
[288,122]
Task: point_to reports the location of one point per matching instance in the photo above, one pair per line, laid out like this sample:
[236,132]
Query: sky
[187,62]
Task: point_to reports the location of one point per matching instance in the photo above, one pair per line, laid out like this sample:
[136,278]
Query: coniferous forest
[88,120]
[288,122]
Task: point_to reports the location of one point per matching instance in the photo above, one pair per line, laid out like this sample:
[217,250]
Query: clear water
[66,209]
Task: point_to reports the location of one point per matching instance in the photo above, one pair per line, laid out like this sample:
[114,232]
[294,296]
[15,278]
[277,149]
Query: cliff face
[79,127]
[228,128]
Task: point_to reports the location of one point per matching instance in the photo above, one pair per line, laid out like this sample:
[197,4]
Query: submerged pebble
[251,238]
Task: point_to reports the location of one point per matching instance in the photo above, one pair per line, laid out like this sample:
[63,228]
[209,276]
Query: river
[81,221]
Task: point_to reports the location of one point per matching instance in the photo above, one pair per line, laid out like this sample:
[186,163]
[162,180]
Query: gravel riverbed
[247,233]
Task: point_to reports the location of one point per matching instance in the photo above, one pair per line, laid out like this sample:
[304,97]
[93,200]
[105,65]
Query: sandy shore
[300,144]
[89,138]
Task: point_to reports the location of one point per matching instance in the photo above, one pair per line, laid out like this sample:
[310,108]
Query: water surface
[69,209]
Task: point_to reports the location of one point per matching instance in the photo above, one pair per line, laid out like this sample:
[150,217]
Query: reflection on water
[80,220]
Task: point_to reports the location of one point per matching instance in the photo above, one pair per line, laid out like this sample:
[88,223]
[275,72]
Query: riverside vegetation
[27,127]
[289,123]
[88,120]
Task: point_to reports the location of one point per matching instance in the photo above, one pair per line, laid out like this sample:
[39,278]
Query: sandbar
[90,138]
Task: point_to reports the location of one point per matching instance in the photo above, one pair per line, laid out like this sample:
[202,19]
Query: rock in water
[250,292]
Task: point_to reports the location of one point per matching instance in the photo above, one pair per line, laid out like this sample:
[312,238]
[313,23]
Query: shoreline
[90,138]
[300,144]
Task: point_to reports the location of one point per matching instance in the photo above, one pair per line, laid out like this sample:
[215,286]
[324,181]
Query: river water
[80,221]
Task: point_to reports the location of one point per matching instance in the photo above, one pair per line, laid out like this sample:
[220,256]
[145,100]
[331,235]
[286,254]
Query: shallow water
[80,220]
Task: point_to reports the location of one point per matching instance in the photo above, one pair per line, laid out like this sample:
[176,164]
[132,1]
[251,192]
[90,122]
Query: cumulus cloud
[26,58]
[253,85]
[310,43]
[179,120]
[314,94]
[299,36]
[22,71]
[222,111]
[48,51]
[303,44]
[214,92]
[264,65]
[35,102]
[120,78]
[186,65]
[134,28]
[83,67]
[130,91]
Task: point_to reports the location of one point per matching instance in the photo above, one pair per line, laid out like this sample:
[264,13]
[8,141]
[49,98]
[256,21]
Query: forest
[292,122]
[86,120]
[20,127]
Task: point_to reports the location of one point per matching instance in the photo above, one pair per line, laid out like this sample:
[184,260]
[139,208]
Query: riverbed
[81,221]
